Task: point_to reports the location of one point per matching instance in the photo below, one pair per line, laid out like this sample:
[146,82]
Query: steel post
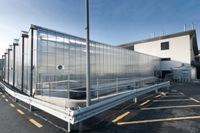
[31,107]
[22,78]
[24,35]
[5,67]
[88,93]
[31,76]
[97,88]
[117,89]
[135,99]
[3,58]
[8,65]
[13,65]
[15,43]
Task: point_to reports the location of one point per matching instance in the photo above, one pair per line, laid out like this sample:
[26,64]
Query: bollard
[135,99]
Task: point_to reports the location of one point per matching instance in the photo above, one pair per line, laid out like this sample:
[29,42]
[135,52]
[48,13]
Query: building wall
[1,69]
[108,63]
[179,51]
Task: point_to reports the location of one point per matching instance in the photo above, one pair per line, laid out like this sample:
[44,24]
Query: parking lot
[175,110]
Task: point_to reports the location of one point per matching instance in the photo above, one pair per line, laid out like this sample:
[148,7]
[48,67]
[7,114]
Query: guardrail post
[168,87]
[69,127]
[68,86]
[80,127]
[135,99]
[116,85]
[16,100]
[75,127]
[97,88]
[31,108]
[156,90]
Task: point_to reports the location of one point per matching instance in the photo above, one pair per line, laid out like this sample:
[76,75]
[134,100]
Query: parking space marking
[6,100]
[21,112]
[174,90]
[37,124]
[174,96]
[181,93]
[168,107]
[120,117]
[172,100]
[12,105]
[144,102]
[157,96]
[159,120]
[194,100]
[166,92]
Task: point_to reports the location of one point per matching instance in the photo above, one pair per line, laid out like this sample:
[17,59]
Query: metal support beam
[88,93]
[15,43]
[22,77]
[5,67]
[9,64]
[31,108]
[13,65]
[24,35]
[3,59]
[32,67]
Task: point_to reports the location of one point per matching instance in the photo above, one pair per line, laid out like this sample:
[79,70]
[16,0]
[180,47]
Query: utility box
[184,74]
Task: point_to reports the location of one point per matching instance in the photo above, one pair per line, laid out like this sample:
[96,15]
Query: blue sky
[111,21]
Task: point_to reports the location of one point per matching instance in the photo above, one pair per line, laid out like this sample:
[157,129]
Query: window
[165,59]
[164,45]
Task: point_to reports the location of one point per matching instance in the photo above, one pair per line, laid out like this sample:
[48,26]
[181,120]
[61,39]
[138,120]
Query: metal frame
[5,67]
[9,49]
[24,35]
[32,67]
[3,59]
[15,43]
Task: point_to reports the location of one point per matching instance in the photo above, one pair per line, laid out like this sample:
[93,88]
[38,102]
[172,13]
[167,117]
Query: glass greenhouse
[50,63]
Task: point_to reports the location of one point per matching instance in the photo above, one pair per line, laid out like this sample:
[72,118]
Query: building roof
[192,34]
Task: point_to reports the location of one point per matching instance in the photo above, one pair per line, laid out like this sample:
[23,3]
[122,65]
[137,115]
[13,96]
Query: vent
[60,67]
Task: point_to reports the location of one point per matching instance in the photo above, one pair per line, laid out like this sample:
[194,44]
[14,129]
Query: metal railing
[80,114]
[99,87]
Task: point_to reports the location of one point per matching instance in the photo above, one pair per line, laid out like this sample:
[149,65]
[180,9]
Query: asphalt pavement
[16,118]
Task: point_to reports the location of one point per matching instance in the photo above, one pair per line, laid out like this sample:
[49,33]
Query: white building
[175,50]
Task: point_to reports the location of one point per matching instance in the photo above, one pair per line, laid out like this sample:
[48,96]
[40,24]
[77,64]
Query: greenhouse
[51,66]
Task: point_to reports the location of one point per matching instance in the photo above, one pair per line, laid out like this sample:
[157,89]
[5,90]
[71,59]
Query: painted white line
[194,100]
[168,107]
[159,120]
